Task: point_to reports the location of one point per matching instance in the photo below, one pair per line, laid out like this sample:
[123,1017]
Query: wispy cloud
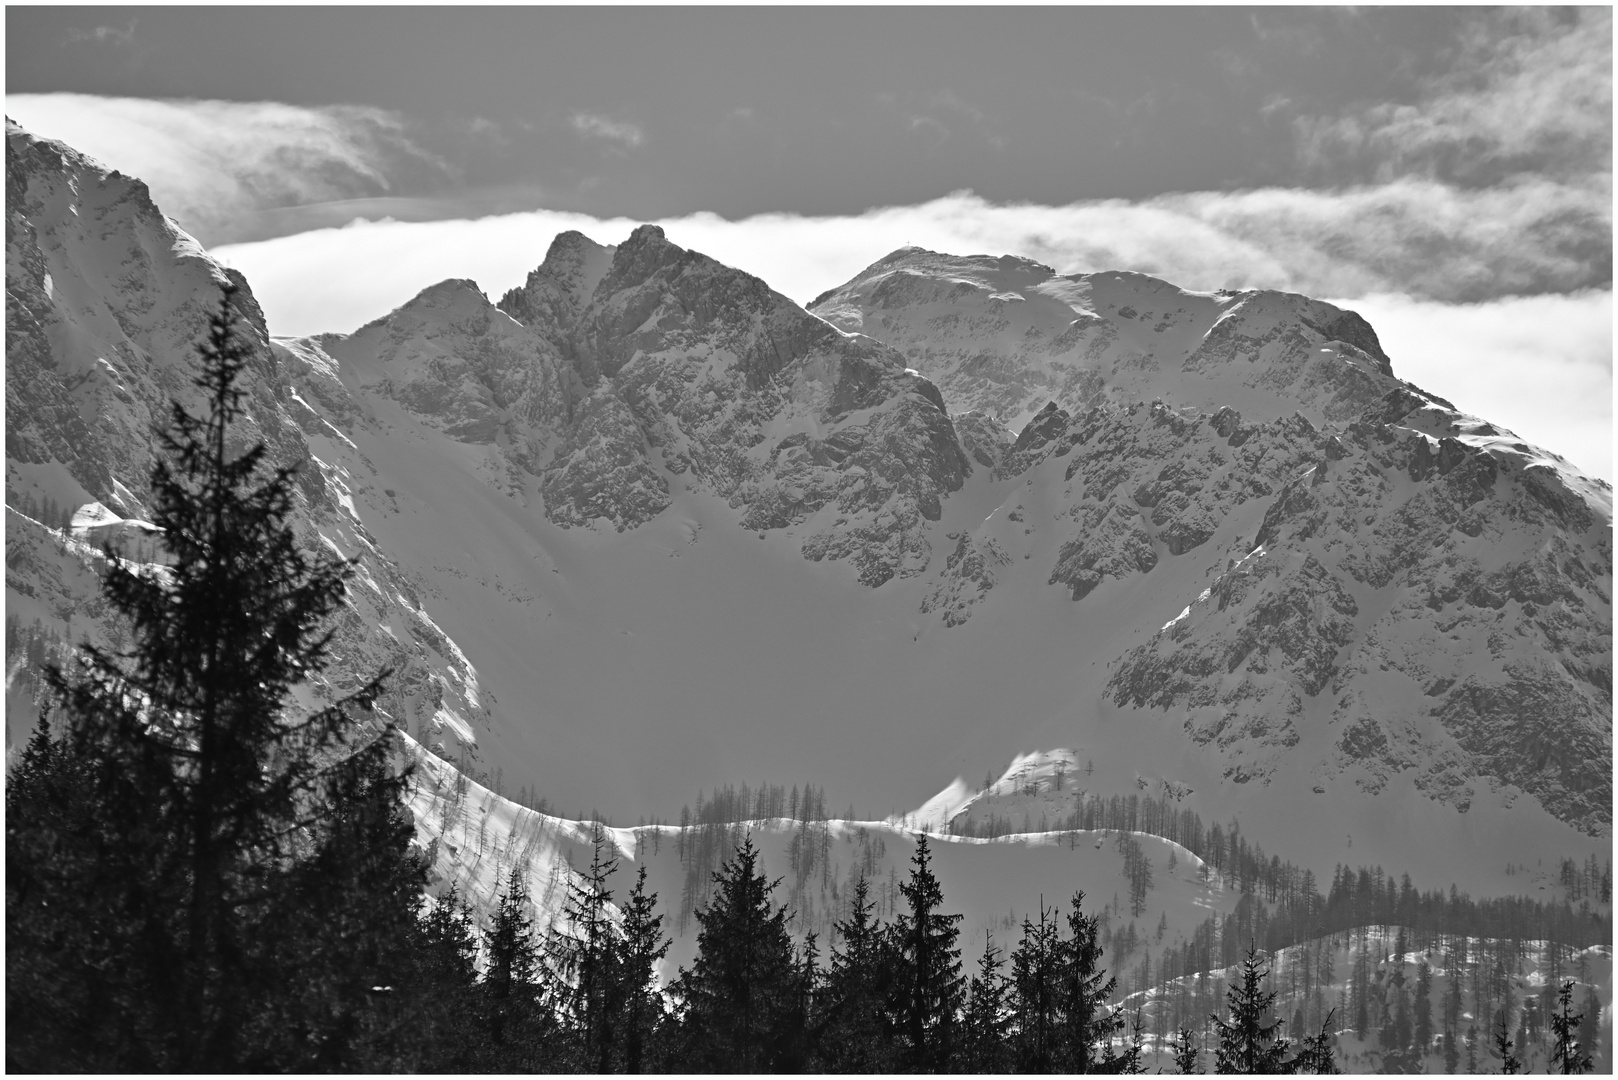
[594,126]
[1529,93]
[932,133]
[936,116]
[209,163]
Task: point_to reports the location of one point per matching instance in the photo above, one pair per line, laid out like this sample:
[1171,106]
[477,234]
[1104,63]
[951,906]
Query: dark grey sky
[661,111]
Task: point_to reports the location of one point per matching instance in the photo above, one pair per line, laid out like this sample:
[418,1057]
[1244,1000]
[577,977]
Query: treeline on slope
[1281,905]
[1383,993]
[1298,911]
[47,511]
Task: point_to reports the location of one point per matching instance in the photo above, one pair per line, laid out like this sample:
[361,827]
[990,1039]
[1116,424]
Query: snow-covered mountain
[1394,591]
[646,527]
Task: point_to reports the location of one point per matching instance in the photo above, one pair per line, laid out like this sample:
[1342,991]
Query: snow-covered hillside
[646,527]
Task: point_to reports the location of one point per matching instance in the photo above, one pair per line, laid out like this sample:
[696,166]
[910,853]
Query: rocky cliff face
[698,371]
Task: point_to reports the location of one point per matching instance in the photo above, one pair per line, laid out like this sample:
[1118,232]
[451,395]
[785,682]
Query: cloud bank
[1540,365]
[1409,237]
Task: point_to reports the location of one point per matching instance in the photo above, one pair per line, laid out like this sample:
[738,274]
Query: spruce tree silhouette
[741,998]
[929,987]
[210,824]
[1568,1056]
[1246,1043]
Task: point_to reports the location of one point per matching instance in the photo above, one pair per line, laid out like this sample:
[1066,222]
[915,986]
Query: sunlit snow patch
[95,523]
[936,813]
[447,717]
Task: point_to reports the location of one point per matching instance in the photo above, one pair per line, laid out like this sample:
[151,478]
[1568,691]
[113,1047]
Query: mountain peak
[645,253]
[568,251]
[453,299]
[560,287]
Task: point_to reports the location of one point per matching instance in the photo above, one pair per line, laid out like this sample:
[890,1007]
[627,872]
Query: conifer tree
[1186,1049]
[585,961]
[986,1026]
[1037,969]
[1088,1024]
[741,995]
[928,963]
[208,817]
[1247,1043]
[1567,1055]
[1503,1046]
[852,1031]
[445,1036]
[643,945]
[512,977]
[1317,1056]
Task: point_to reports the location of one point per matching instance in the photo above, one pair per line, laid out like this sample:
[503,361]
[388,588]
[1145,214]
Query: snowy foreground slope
[646,527]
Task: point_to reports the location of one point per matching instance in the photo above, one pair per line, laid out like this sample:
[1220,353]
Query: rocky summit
[646,525]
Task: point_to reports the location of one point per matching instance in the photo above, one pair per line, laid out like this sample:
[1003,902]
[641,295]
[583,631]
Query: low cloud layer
[1409,237]
[1541,365]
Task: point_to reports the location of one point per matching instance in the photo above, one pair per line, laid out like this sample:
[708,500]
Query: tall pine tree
[1249,1041]
[585,959]
[208,845]
[514,982]
[929,986]
[643,945]
[740,999]
[1088,1023]
[852,1029]
[986,1027]
[1568,1057]
[1037,969]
